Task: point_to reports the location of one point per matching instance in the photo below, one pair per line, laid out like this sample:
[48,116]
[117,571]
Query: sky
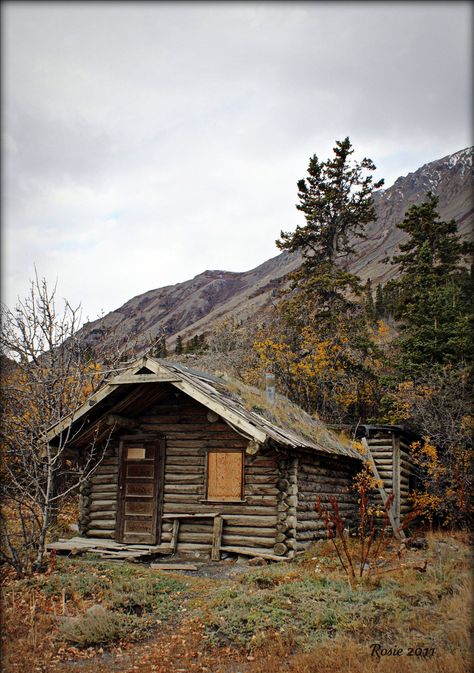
[143,143]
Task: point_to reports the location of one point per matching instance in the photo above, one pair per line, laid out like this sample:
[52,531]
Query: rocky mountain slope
[193,306]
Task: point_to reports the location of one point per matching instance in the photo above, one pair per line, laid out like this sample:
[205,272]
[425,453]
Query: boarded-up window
[224,475]
[135,453]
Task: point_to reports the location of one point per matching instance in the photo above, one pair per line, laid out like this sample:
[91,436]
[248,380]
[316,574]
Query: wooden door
[139,491]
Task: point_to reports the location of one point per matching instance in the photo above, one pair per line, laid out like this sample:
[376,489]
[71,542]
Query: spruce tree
[379,307]
[337,202]
[369,301]
[179,345]
[323,317]
[434,289]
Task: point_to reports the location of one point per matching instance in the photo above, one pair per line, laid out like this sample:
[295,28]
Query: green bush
[141,595]
[306,608]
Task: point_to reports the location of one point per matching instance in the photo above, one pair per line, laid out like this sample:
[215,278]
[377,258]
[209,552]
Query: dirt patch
[219,570]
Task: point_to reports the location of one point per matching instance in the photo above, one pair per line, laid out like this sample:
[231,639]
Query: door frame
[160,449]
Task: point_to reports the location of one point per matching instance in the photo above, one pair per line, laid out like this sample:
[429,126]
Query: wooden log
[96,505]
[195,527]
[217,538]
[107,469]
[279,549]
[310,534]
[102,514]
[104,488]
[317,488]
[308,506]
[189,476]
[192,547]
[309,525]
[192,452]
[264,479]
[110,480]
[183,498]
[260,489]
[243,520]
[250,531]
[183,461]
[261,471]
[97,496]
[248,541]
[326,471]
[94,532]
[184,488]
[102,524]
[175,535]
[342,496]
[173,566]
[254,552]
[253,510]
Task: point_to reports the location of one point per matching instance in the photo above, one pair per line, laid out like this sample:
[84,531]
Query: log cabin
[195,464]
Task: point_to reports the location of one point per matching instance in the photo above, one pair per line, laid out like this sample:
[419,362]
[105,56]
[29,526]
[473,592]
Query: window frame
[206,498]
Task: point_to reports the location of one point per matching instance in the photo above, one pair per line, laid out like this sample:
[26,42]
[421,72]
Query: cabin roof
[243,407]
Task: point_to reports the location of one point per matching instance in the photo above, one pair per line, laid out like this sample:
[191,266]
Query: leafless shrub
[47,371]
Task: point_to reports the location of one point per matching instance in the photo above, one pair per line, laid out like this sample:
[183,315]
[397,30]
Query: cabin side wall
[323,476]
[391,454]
[406,469]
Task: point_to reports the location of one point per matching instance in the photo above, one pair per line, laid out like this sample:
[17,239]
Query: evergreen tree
[336,199]
[379,306]
[325,331]
[369,301]
[434,289]
[179,345]
[390,298]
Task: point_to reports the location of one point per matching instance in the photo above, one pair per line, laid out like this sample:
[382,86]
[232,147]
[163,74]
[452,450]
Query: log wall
[98,497]
[322,476]
[390,451]
[406,469]
[188,436]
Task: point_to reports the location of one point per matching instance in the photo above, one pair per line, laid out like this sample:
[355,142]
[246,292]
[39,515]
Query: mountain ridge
[194,306]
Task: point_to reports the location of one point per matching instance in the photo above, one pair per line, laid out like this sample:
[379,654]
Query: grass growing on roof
[285,414]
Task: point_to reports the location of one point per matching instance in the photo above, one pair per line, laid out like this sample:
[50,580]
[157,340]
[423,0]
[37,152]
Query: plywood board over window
[225,475]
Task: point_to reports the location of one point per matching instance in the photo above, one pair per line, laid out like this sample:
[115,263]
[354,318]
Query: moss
[285,414]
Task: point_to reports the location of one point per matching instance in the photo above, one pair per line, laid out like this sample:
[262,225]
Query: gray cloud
[146,142]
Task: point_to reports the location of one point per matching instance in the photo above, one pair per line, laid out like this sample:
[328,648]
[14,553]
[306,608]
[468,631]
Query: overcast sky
[145,143]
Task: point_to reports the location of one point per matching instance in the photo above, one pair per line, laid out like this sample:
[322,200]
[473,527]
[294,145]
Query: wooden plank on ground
[173,566]
[250,551]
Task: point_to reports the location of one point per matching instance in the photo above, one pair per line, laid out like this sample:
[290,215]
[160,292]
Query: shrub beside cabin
[188,467]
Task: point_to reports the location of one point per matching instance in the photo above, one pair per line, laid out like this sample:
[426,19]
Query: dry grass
[286,414]
[302,617]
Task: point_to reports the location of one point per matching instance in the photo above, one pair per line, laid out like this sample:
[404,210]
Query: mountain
[451,178]
[193,306]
